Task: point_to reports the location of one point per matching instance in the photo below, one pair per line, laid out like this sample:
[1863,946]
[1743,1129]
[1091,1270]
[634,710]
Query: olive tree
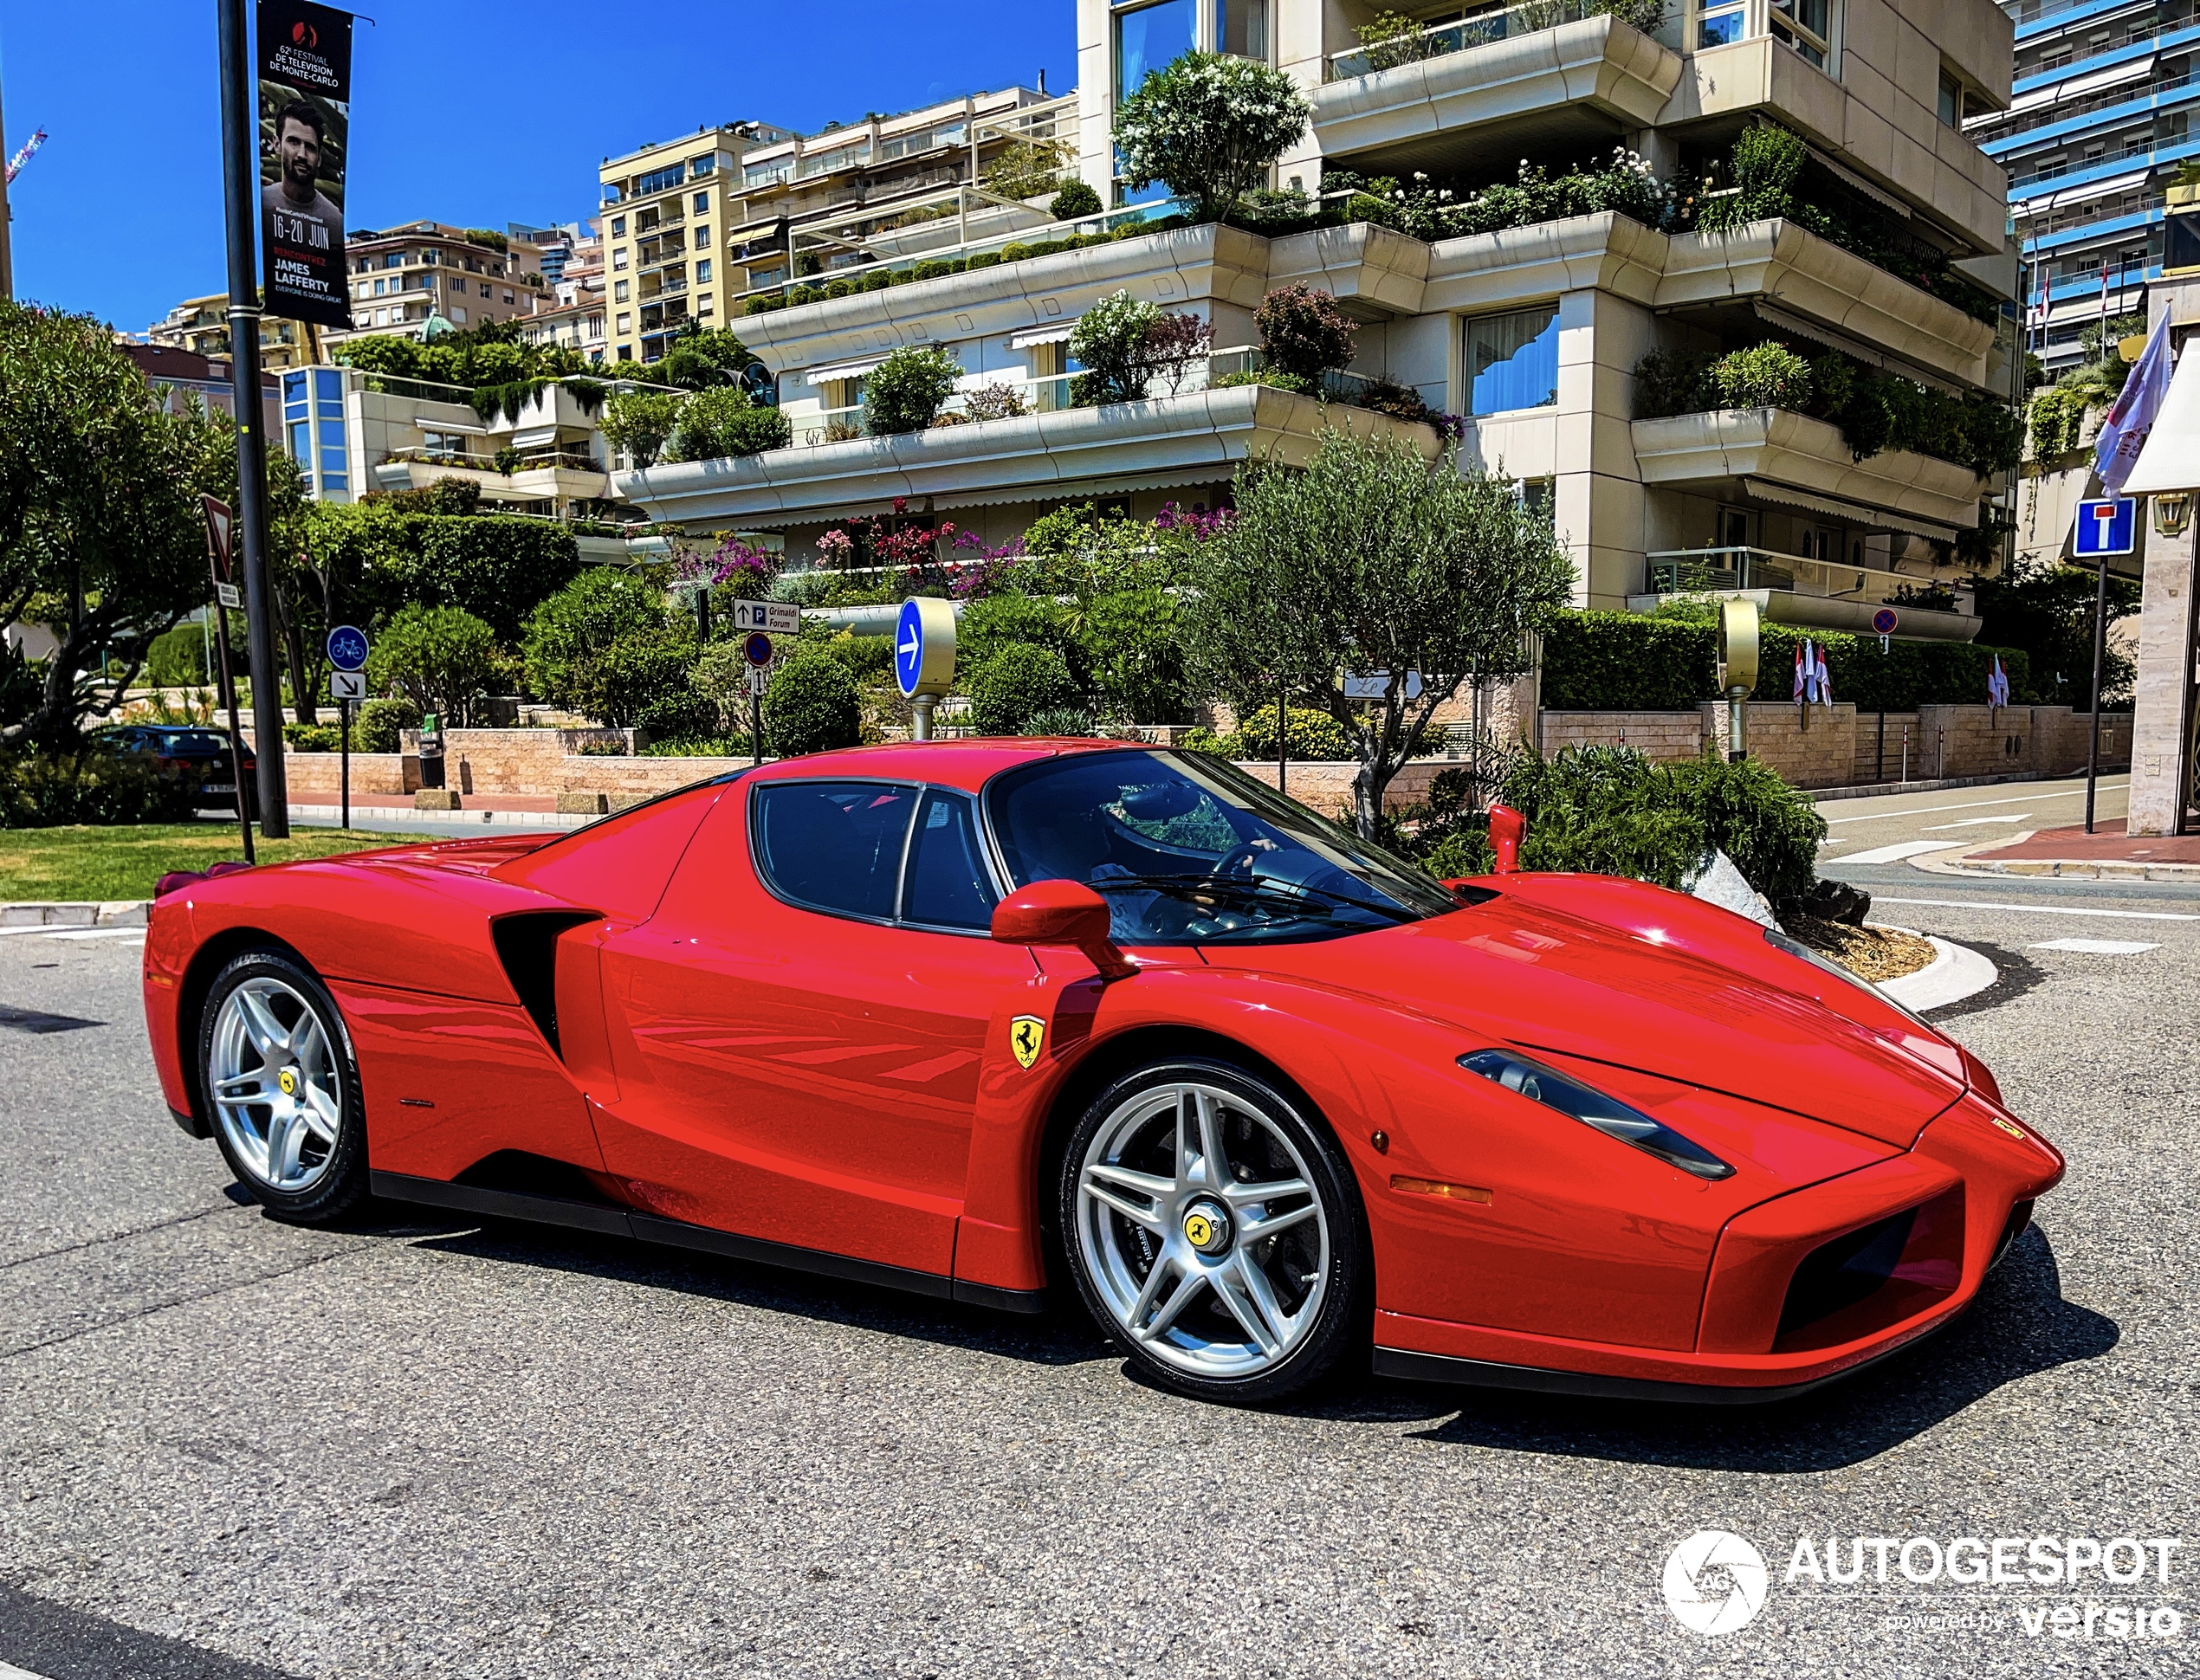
[1209,126]
[1371,559]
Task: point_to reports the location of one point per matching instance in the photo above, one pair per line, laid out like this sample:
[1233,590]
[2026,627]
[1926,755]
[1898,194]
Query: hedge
[1623,661]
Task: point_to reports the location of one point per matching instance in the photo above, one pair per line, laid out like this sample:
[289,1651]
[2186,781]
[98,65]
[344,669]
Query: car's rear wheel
[1215,1231]
[281,1088]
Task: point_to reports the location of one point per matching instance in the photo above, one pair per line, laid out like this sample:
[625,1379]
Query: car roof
[968,764]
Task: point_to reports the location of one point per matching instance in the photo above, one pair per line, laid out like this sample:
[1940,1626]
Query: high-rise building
[1529,334]
[2100,116]
[407,276]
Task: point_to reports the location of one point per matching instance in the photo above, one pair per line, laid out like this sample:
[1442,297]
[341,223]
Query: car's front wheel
[1215,1231]
[282,1088]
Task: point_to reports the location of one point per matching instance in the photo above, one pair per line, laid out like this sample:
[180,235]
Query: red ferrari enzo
[969,1017]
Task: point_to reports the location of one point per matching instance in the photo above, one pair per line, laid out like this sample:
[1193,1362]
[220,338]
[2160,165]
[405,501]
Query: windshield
[1190,849]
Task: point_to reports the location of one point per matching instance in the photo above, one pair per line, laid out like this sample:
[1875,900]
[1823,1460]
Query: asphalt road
[230,1447]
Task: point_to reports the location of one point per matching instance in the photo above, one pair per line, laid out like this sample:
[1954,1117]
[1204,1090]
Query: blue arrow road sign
[2107,527]
[909,647]
[347,647]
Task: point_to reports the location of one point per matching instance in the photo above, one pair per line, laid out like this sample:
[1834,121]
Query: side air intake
[526,945]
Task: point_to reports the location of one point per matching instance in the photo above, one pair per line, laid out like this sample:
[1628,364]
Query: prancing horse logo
[1026,1033]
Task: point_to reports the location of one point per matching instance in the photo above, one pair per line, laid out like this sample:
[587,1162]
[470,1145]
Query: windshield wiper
[1250,887]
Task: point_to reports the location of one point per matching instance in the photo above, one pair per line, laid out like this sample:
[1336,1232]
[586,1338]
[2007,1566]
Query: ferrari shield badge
[1026,1034]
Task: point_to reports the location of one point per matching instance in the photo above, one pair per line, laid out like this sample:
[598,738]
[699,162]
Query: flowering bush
[903,393]
[1173,343]
[993,402]
[1432,209]
[1209,126]
[1763,376]
[1109,339]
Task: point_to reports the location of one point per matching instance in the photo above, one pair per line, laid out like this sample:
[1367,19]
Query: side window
[949,885]
[833,846]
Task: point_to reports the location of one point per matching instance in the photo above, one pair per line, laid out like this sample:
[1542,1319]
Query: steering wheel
[1238,859]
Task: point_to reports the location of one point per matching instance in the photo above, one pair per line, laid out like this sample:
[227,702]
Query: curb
[1956,973]
[109,913]
[2065,868]
[401,816]
[1882,790]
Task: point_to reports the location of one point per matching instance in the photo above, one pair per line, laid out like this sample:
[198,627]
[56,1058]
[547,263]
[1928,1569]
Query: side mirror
[1507,829]
[1061,913]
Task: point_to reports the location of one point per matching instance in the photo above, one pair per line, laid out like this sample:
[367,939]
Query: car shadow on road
[1052,1338]
[2019,1326]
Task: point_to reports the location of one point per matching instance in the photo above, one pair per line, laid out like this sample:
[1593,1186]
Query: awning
[1773,315]
[2114,183]
[818,376]
[1044,335]
[1875,519]
[2091,83]
[1842,172]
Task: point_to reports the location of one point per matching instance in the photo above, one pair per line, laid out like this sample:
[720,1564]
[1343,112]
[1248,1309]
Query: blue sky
[475,114]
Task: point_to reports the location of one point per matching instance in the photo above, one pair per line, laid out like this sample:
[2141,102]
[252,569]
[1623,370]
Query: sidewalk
[2108,854]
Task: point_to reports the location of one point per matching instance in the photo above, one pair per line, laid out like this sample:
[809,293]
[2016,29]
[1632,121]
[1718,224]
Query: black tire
[1339,1328]
[338,1180]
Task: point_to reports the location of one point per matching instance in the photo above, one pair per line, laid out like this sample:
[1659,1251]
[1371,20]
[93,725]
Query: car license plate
[219,787]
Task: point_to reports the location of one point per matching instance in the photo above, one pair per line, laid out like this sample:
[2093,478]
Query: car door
[799,1028]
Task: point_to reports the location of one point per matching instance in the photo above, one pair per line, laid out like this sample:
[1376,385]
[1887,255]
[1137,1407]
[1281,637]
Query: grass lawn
[125,861]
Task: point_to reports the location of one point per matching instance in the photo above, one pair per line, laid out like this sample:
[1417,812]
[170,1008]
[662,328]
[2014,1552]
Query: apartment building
[404,277]
[731,210]
[2100,117]
[201,325]
[1532,335]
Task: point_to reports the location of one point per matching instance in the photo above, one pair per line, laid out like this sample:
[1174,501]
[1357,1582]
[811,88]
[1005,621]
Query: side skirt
[607,1220]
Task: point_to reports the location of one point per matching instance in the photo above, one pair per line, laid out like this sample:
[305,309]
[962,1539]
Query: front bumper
[1802,1290]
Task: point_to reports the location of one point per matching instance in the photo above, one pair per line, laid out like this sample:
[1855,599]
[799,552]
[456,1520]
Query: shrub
[995,402]
[1209,126]
[313,737]
[1059,721]
[1015,251]
[1764,376]
[640,420]
[1272,213]
[811,706]
[1172,343]
[802,295]
[571,639]
[929,270]
[381,724]
[442,658]
[1015,685]
[1265,376]
[1006,620]
[1136,657]
[176,658]
[1109,339]
[839,288]
[646,681]
[986,260]
[1624,661]
[1307,734]
[878,279]
[723,422]
[763,303]
[1074,200]
[903,393]
[46,790]
[1302,332]
[1767,160]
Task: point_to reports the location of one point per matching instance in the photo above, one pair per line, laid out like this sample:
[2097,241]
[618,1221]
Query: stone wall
[1660,735]
[1326,785]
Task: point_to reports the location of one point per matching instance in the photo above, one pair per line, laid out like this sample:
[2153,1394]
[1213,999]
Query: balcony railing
[1483,29]
[1693,570]
[2139,97]
[572,460]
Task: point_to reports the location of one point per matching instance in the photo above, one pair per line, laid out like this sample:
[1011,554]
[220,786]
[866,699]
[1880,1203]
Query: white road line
[137,934]
[1974,805]
[2038,909]
[8,1671]
[1976,821]
[2096,947]
[1898,851]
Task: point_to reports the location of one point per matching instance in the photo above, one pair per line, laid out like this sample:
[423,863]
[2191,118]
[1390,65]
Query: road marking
[1899,851]
[1975,822]
[10,1671]
[137,934]
[2038,909]
[2096,947]
[1974,805]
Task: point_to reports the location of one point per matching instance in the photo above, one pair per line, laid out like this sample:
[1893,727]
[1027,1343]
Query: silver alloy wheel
[1200,1229]
[273,1081]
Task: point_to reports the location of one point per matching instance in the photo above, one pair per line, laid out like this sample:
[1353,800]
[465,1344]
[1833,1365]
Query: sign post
[2106,528]
[1738,663]
[347,648]
[220,521]
[924,658]
[756,648]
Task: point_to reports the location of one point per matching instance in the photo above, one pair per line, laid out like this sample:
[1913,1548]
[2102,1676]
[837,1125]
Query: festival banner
[305,132]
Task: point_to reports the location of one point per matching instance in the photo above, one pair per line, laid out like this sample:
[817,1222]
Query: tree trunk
[56,708]
[1367,785]
[301,687]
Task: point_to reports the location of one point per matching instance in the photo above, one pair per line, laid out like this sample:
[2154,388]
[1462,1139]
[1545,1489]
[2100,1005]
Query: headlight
[1614,1119]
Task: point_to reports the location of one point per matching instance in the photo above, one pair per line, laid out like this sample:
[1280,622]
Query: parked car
[186,753]
[1007,1021]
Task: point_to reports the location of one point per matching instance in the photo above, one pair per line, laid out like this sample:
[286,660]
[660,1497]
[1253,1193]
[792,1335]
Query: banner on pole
[304,68]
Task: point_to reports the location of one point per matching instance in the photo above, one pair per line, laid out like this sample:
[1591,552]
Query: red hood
[1535,976]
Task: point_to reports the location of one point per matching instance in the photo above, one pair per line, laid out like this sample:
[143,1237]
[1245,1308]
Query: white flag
[2131,416]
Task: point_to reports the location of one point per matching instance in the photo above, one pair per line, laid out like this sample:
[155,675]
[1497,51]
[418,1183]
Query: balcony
[554,475]
[1565,68]
[1196,438]
[1792,461]
[1790,589]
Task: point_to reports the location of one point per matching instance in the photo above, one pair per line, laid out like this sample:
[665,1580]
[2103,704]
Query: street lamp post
[240,177]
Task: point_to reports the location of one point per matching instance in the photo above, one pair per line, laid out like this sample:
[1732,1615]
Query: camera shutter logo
[1712,1612]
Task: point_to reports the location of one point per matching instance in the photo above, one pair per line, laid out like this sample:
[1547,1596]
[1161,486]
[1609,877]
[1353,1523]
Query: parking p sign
[2107,527]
